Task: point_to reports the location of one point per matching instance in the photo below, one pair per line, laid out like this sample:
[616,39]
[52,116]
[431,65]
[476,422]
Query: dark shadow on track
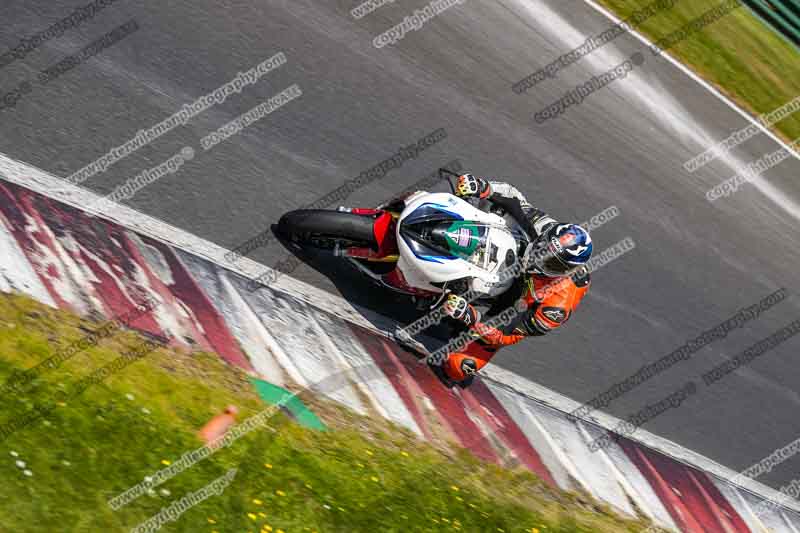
[363,292]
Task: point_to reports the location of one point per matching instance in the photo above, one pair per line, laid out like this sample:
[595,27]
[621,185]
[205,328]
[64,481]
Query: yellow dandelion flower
[280,493]
[165,462]
[257,501]
[370,453]
[61,404]
[251,516]
[280,531]
[375,479]
[404,454]
[267,465]
[454,488]
[266,527]
[211,521]
[534,530]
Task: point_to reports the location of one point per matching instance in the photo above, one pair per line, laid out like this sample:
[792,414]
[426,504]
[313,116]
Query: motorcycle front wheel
[322,228]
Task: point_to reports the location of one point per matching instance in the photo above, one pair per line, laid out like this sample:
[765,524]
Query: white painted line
[772,192]
[666,107]
[683,68]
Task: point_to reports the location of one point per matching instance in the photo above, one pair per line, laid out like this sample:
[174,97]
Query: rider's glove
[458,308]
[471,186]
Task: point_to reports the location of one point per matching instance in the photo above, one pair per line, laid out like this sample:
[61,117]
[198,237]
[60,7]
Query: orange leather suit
[549,303]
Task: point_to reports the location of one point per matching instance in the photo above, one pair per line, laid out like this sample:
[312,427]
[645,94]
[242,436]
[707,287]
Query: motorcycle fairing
[443,238]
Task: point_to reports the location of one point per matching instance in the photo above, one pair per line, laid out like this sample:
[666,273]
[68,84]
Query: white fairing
[419,272]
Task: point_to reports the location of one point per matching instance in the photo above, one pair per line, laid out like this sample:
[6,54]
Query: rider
[557,278]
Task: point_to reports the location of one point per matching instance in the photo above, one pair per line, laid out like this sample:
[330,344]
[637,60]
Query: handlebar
[443,171]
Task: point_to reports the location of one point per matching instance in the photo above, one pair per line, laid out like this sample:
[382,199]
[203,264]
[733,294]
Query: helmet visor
[545,260]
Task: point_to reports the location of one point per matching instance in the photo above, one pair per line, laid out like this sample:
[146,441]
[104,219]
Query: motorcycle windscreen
[472,242]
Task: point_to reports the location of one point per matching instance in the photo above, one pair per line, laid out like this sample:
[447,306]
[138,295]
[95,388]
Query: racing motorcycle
[423,245]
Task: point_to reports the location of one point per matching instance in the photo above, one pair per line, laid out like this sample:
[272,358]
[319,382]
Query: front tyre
[324,229]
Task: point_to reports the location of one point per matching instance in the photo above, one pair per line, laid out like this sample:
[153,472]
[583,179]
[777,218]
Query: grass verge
[738,54]
[361,475]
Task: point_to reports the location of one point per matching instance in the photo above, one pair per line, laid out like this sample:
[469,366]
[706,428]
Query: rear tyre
[324,229]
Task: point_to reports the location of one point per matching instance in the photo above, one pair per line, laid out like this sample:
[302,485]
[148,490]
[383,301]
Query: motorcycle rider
[556,279]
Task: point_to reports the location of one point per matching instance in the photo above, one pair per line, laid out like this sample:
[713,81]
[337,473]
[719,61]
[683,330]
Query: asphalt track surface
[695,263]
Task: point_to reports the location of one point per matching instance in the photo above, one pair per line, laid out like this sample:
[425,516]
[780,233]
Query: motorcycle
[423,245]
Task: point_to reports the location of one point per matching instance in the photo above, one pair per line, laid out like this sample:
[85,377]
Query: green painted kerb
[274,395]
